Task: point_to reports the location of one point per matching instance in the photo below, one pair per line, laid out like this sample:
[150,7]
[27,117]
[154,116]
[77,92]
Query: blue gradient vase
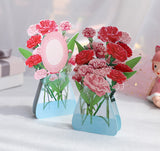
[54,98]
[96,114]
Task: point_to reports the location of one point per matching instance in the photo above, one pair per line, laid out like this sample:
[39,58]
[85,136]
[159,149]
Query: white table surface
[20,131]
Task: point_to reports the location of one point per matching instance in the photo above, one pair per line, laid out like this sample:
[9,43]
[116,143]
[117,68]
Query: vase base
[98,125]
[55,108]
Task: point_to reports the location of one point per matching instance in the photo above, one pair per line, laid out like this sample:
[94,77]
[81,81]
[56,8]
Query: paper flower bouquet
[51,57]
[101,69]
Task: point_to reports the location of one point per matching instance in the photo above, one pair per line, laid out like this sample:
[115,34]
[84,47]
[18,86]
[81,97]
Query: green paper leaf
[131,63]
[129,74]
[25,53]
[83,95]
[79,46]
[71,44]
[64,84]
[96,99]
[54,87]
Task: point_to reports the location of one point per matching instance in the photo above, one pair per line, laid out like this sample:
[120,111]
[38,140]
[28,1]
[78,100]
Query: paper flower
[65,25]
[117,76]
[125,38]
[47,26]
[84,69]
[89,32]
[77,77]
[34,41]
[117,51]
[97,84]
[109,34]
[33,60]
[84,56]
[102,72]
[123,68]
[53,77]
[99,49]
[40,74]
[98,63]
[32,30]
[72,60]
[128,50]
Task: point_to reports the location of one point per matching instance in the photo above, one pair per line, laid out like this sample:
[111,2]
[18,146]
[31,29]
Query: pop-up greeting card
[102,68]
[52,60]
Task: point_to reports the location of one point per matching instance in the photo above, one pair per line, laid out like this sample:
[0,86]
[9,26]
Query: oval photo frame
[54,52]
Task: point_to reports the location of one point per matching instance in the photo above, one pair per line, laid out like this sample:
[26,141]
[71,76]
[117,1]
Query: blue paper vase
[101,116]
[54,98]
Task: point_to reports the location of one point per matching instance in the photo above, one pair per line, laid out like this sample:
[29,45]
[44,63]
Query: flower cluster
[37,32]
[101,65]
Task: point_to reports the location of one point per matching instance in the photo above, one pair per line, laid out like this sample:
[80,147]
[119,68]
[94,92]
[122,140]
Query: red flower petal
[84,56]
[123,68]
[34,41]
[117,51]
[128,50]
[117,76]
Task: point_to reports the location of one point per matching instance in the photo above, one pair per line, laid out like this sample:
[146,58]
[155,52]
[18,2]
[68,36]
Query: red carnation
[117,76]
[117,51]
[47,26]
[84,56]
[34,41]
[109,34]
[128,50]
[123,68]
[33,60]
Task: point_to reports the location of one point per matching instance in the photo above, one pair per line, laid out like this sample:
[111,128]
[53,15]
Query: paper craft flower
[32,30]
[102,72]
[46,26]
[117,76]
[77,77]
[84,57]
[117,51]
[65,25]
[72,60]
[127,49]
[89,32]
[109,34]
[33,60]
[125,38]
[123,68]
[40,74]
[84,69]
[97,63]
[34,41]
[97,84]
[99,49]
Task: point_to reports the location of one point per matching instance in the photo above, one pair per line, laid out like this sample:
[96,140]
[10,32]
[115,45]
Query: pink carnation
[77,77]
[89,32]
[32,30]
[40,74]
[102,72]
[53,77]
[72,60]
[97,84]
[98,63]
[99,49]
[125,38]
[84,69]
[37,51]
[47,26]
[65,25]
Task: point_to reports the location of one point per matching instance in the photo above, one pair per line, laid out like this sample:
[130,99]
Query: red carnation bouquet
[102,67]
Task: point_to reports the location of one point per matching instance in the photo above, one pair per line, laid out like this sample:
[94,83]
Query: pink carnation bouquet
[101,69]
[55,83]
